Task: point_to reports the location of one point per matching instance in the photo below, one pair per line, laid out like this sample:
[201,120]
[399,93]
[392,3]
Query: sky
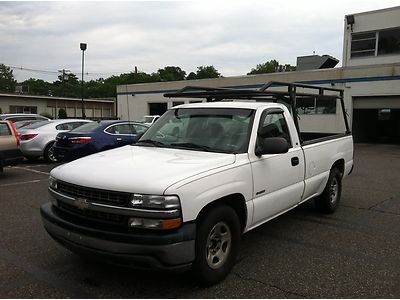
[233,36]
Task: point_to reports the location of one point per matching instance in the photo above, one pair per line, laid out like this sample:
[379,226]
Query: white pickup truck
[181,199]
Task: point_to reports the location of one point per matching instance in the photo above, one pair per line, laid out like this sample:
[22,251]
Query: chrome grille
[93,195]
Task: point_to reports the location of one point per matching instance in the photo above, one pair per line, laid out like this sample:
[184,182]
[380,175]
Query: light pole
[83,48]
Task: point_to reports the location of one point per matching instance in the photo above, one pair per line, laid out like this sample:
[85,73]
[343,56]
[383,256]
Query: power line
[49,72]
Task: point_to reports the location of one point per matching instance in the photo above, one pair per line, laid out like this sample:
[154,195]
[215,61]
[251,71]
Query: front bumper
[162,251]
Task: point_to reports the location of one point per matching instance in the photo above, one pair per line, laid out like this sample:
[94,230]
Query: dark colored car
[95,137]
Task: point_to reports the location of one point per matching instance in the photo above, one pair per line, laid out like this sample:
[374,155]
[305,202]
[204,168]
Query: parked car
[95,137]
[37,139]
[22,117]
[20,124]
[180,202]
[149,120]
[10,154]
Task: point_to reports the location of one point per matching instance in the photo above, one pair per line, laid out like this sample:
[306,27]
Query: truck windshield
[225,130]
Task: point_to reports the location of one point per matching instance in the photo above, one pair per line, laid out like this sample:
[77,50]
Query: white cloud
[234,36]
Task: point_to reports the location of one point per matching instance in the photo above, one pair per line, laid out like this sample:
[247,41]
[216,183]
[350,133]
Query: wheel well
[236,201]
[339,164]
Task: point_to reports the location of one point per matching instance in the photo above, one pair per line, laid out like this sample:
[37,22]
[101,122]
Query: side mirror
[271,145]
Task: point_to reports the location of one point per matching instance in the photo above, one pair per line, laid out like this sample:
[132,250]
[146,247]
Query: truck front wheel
[328,201]
[217,245]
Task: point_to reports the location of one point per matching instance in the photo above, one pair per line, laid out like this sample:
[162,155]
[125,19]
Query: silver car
[37,139]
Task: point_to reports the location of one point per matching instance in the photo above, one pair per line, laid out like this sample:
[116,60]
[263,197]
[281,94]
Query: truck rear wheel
[328,201]
[217,245]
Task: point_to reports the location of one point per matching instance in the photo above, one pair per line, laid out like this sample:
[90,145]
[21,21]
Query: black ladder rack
[266,93]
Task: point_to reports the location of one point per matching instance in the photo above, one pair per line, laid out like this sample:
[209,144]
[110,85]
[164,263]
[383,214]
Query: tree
[7,81]
[171,73]
[267,67]
[191,76]
[204,72]
[69,86]
[37,86]
[271,66]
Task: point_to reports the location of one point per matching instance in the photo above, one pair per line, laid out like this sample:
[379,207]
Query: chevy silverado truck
[181,199]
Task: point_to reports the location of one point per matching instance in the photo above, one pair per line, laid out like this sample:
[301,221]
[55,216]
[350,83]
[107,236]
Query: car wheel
[217,245]
[49,153]
[328,201]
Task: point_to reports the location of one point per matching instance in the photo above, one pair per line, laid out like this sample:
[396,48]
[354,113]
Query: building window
[389,41]
[375,43]
[363,44]
[14,109]
[318,105]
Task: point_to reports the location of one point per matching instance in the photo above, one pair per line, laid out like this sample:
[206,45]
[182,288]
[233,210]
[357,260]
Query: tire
[217,245]
[329,200]
[48,154]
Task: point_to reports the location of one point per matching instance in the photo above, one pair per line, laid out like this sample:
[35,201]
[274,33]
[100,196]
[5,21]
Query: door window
[4,130]
[275,125]
[120,129]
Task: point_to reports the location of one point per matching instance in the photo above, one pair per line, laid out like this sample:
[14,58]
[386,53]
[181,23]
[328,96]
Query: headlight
[155,201]
[53,183]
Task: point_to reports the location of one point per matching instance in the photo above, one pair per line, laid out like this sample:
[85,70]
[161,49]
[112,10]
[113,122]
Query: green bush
[62,114]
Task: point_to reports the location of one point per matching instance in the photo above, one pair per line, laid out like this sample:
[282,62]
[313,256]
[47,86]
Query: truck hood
[134,169]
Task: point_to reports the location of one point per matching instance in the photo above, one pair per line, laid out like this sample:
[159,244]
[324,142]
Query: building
[94,108]
[370,77]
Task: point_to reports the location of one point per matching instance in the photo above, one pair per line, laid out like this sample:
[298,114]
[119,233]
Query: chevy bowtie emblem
[81,203]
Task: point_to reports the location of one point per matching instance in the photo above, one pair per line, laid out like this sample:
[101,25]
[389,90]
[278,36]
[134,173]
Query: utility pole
[64,73]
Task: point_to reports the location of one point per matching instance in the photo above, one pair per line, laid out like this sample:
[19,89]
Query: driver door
[277,178]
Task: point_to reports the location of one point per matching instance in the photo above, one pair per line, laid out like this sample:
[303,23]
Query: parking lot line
[30,170]
[23,182]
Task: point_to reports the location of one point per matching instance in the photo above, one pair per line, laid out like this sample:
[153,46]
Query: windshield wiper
[193,146]
[150,142]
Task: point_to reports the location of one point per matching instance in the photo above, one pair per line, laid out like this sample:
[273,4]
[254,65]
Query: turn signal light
[155,223]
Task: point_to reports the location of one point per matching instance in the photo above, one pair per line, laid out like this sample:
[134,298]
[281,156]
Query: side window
[275,125]
[75,125]
[4,130]
[120,129]
[69,126]
[61,127]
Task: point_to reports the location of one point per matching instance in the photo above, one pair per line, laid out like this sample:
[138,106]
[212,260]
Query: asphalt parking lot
[354,253]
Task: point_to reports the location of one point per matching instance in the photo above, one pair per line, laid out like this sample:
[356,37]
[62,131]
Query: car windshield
[36,125]
[225,130]
[87,128]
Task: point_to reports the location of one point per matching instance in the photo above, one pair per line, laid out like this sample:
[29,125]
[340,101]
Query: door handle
[119,139]
[295,161]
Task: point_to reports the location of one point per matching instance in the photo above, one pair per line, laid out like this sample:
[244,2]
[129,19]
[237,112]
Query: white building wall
[370,21]
[380,80]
